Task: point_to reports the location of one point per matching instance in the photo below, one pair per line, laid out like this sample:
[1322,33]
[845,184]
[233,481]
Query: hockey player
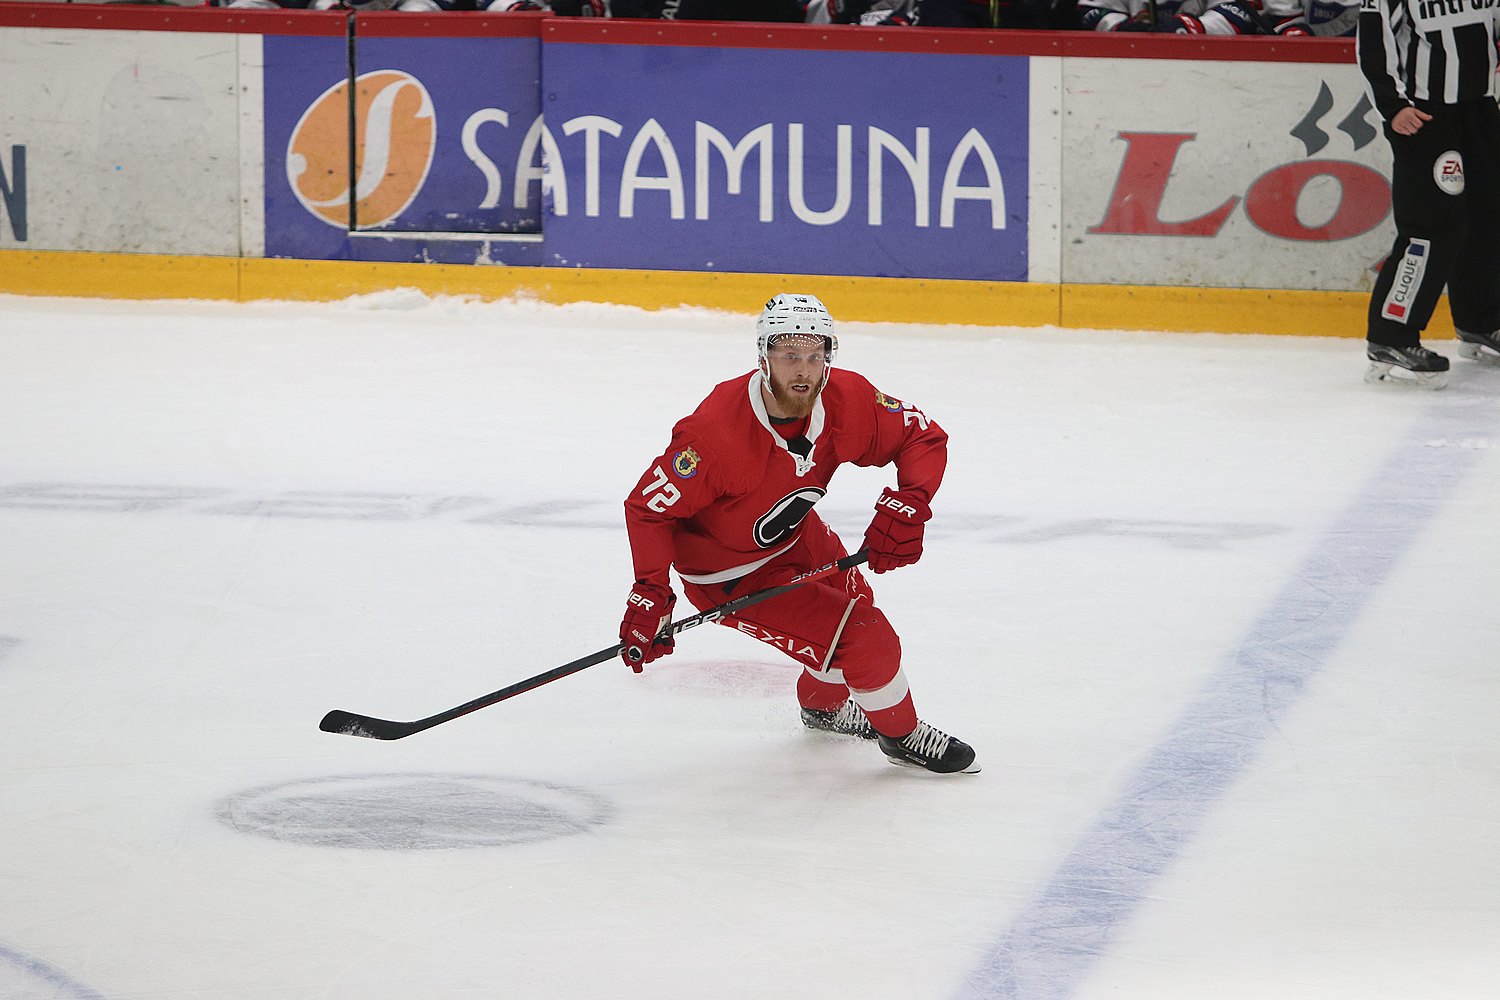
[1288,18]
[730,505]
[1430,71]
[1122,15]
[787,11]
[1044,14]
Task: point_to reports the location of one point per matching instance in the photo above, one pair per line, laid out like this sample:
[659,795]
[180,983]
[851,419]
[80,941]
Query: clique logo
[395,133]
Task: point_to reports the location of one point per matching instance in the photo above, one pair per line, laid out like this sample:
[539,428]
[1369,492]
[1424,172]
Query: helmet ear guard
[792,315]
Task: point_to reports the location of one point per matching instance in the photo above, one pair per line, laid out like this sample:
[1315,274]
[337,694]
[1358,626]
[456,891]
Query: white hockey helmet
[788,315]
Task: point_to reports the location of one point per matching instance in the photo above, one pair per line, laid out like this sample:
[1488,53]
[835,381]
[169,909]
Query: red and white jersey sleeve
[903,436]
[729,494]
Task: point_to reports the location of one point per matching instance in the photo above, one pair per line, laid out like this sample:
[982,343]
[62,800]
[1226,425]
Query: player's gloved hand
[894,537]
[647,611]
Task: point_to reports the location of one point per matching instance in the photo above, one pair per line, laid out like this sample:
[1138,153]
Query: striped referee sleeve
[1382,26]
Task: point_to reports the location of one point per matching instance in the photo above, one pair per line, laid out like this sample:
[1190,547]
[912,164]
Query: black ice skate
[1410,365]
[1479,346]
[929,748]
[849,720]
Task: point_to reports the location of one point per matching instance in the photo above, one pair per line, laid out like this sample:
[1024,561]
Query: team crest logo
[1448,172]
[395,134]
[894,405]
[782,519]
[685,463]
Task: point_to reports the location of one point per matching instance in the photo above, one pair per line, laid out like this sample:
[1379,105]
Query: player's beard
[792,404]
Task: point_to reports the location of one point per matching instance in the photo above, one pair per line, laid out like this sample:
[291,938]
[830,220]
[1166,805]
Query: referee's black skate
[1407,365]
[848,720]
[931,749]
[1479,346]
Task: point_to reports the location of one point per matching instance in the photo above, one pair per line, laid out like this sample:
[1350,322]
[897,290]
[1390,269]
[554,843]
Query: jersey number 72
[669,494]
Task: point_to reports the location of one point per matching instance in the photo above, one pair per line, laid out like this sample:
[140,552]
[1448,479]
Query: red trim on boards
[849,38]
[825,37]
[702,34]
[125,17]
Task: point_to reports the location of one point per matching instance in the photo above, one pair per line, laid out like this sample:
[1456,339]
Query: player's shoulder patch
[887,402]
[685,463]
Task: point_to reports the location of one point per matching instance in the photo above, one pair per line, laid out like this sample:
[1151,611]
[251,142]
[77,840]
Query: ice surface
[1218,617]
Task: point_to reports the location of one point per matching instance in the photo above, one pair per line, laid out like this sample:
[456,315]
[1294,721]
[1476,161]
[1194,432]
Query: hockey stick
[350,724]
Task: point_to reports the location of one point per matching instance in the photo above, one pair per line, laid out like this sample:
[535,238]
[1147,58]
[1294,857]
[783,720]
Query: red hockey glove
[647,611]
[894,537]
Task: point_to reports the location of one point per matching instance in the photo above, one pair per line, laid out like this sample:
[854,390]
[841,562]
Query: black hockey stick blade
[351,724]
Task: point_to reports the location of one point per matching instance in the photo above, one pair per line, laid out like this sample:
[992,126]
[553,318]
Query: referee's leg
[1474,284]
[1430,228]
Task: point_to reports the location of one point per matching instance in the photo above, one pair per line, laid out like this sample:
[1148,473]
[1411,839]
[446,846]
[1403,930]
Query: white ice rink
[1219,618]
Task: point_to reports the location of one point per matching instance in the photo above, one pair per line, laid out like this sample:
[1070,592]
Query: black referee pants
[1447,210]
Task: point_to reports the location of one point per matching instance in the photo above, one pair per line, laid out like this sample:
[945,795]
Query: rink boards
[976,177]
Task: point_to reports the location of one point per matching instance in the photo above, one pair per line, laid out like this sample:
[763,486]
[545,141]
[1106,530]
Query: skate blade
[1477,352]
[1381,372]
[973,767]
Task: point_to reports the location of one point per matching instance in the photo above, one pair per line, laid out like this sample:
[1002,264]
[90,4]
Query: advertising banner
[443,162]
[482,102]
[119,141]
[517,139]
[767,160]
[1222,174]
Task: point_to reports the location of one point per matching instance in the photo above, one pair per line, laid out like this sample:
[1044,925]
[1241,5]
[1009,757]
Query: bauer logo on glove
[897,507]
[648,611]
[894,538]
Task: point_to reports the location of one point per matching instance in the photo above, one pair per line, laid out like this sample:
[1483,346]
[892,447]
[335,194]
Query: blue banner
[657,157]
[766,160]
[485,96]
[298,72]
[444,138]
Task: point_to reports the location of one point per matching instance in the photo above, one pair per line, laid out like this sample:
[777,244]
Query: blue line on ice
[1055,940]
[23,976]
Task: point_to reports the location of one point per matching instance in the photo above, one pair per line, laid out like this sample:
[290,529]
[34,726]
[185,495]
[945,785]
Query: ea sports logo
[395,132]
[1448,172]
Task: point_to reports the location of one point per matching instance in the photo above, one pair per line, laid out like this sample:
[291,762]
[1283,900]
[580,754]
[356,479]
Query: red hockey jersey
[730,494]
